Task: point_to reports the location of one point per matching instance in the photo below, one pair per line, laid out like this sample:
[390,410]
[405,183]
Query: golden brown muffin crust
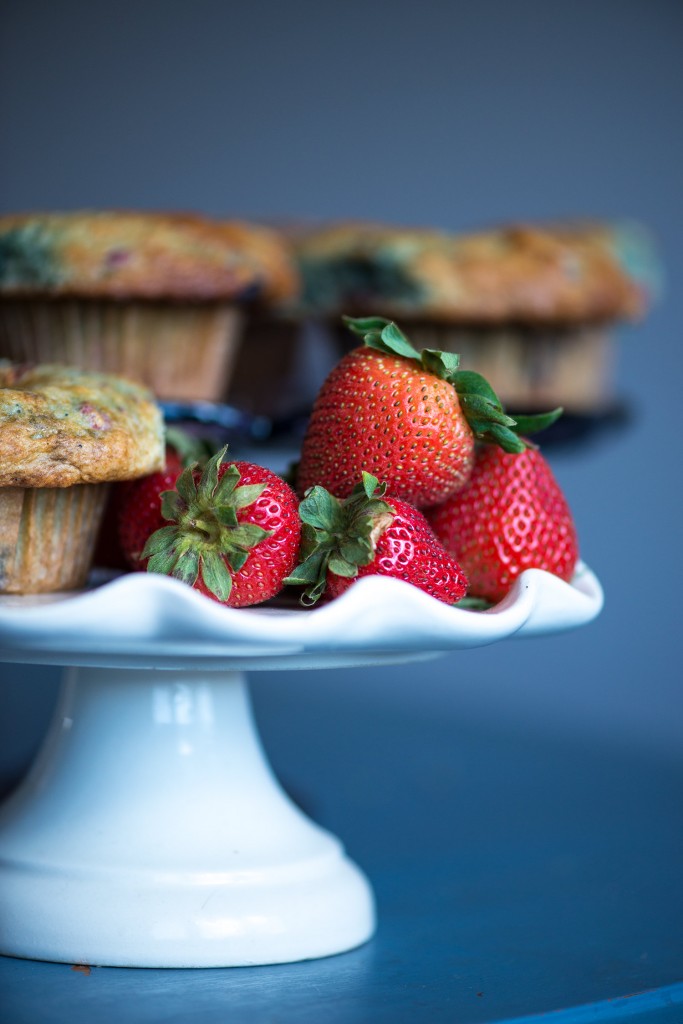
[60,426]
[124,255]
[517,274]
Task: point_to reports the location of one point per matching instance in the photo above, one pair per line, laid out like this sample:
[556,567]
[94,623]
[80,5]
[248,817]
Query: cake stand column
[151,832]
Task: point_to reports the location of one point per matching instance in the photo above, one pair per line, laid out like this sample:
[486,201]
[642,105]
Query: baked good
[281,364]
[64,435]
[157,297]
[530,307]
[270,375]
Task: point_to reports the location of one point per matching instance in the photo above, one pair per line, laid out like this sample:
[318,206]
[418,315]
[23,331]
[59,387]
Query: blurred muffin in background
[531,307]
[277,355]
[65,435]
[156,297]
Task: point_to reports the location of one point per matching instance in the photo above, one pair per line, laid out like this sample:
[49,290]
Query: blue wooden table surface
[516,874]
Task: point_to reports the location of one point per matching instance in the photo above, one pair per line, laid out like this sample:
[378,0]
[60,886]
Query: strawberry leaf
[532,424]
[207,536]
[236,558]
[340,567]
[247,495]
[215,575]
[365,324]
[482,409]
[209,478]
[172,505]
[474,604]
[248,535]
[358,552]
[321,510]
[308,541]
[468,382]
[309,570]
[337,536]
[504,437]
[163,562]
[185,486]
[396,342]
[192,450]
[441,364]
[370,484]
[226,515]
[480,404]
[161,540]
[226,485]
[186,567]
[314,592]
[382,335]
[487,418]
[311,574]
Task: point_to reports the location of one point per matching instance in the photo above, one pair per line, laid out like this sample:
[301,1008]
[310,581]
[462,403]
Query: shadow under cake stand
[151,831]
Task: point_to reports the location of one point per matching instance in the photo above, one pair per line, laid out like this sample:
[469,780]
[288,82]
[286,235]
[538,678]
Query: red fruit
[138,508]
[511,516]
[123,536]
[410,418]
[366,536]
[109,552]
[403,424]
[232,531]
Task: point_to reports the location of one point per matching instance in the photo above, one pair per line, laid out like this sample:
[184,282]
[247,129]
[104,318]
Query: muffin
[154,297]
[64,436]
[268,378]
[532,308]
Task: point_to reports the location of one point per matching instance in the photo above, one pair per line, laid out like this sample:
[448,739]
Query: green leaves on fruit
[204,537]
[191,449]
[479,402]
[339,536]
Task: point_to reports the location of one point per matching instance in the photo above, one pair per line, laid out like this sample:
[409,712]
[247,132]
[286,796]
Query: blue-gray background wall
[451,114]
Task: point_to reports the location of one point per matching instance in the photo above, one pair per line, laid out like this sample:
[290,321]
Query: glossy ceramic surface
[151,831]
[146,620]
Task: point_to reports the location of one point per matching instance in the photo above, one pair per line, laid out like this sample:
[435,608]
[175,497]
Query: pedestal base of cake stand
[151,832]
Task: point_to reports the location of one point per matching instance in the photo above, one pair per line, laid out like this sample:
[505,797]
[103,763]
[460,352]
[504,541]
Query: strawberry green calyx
[480,404]
[204,537]
[191,450]
[339,536]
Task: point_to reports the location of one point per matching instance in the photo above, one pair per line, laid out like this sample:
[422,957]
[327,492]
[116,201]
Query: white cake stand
[151,831]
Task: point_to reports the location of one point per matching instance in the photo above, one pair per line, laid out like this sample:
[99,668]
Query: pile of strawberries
[409,468]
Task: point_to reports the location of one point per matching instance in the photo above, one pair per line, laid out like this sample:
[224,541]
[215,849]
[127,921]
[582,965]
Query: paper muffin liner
[47,536]
[281,365]
[182,351]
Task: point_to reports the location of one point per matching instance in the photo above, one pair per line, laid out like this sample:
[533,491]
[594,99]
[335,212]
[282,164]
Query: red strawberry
[410,418]
[134,511]
[110,551]
[364,536]
[232,531]
[138,508]
[511,516]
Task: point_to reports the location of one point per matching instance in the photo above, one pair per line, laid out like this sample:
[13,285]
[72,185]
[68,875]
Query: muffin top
[61,426]
[518,274]
[148,256]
